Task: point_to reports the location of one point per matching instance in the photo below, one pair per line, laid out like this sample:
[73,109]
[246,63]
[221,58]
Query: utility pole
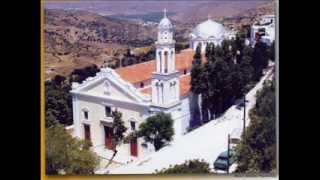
[244,116]
[228,154]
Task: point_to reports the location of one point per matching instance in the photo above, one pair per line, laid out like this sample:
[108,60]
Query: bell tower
[165,81]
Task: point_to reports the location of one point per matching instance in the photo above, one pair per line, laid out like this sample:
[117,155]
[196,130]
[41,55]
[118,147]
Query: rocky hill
[90,33]
[231,13]
[75,39]
[249,16]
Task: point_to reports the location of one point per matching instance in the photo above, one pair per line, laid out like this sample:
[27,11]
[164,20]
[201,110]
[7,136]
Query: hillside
[78,34]
[248,16]
[75,39]
[231,13]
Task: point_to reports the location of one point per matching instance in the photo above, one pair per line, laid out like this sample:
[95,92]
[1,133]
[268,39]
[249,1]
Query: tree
[272,52]
[205,92]
[118,127]
[244,32]
[218,51]
[198,86]
[188,167]
[226,46]
[209,50]
[259,59]
[219,86]
[246,67]
[65,154]
[80,74]
[256,153]
[197,73]
[197,55]
[118,130]
[237,82]
[157,130]
[58,102]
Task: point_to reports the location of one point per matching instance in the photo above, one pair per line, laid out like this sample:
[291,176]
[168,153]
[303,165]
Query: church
[138,92]
[209,32]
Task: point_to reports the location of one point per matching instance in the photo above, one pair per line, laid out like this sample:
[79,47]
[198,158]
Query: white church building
[207,32]
[138,92]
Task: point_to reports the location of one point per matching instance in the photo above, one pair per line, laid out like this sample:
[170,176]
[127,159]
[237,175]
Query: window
[87,132]
[145,145]
[166,62]
[185,71]
[141,85]
[133,125]
[108,111]
[85,113]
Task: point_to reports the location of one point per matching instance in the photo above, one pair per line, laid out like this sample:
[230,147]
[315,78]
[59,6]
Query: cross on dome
[165,12]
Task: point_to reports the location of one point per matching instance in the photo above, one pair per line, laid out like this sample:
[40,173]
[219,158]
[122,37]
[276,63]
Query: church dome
[165,23]
[209,29]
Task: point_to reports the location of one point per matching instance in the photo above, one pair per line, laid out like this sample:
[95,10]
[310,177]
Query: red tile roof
[143,71]
[185,85]
[138,72]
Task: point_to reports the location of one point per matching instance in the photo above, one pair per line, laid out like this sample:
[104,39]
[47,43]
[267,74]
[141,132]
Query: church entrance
[86,132]
[134,147]
[108,137]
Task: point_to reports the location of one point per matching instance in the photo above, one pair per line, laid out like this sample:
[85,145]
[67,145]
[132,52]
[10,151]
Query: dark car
[221,163]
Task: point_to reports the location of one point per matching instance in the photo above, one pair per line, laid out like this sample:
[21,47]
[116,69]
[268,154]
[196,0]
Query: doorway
[87,132]
[108,137]
[134,147]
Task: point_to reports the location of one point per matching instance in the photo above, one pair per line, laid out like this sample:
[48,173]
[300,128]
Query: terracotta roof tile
[185,85]
[184,60]
[138,72]
[143,71]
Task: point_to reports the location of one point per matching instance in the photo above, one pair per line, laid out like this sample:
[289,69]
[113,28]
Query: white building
[138,92]
[209,31]
[264,30]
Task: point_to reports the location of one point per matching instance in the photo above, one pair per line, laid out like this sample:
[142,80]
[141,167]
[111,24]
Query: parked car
[221,163]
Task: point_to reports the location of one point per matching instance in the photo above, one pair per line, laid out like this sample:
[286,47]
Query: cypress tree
[259,59]
[208,50]
[197,86]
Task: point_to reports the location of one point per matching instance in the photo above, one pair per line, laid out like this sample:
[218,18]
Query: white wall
[96,113]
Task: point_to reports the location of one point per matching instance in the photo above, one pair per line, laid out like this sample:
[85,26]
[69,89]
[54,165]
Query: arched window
[162,95]
[172,59]
[133,124]
[160,59]
[141,85]
[85,113]
[158,92]
[185,71]
[165,61]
